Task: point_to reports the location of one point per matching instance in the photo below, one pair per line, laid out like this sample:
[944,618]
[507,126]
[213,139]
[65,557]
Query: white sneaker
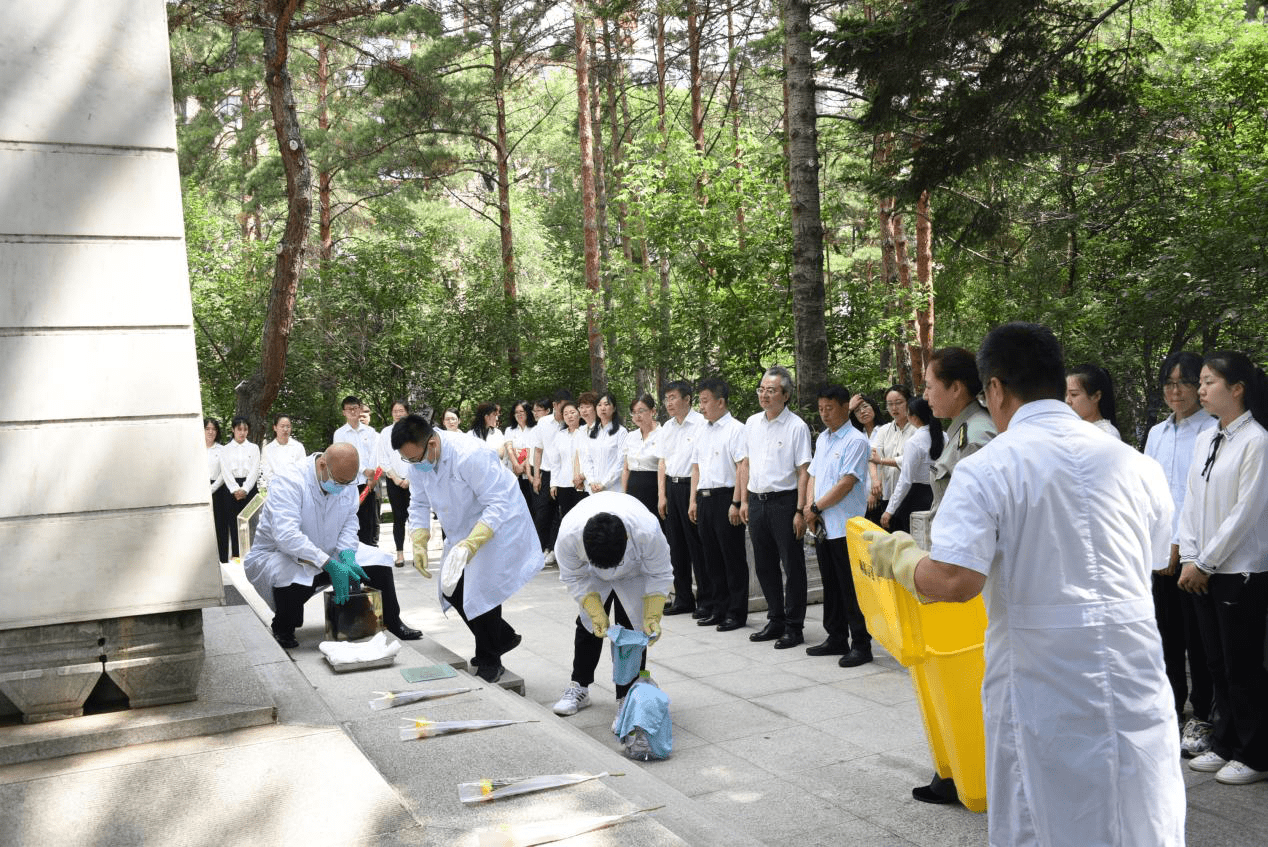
[620,704]
[1236,773]
[1208,762]
[1196,738]
[550,558]
[576,697]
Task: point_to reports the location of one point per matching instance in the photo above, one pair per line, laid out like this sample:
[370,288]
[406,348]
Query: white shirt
[1224,522]
[278,457]
[546,430]
[1108,428]
[522,438]
[563,450]
[215,474]
[601,458]
[888,440]
[468,485]
[914,468]
[493,439]
[720,446]
[776,448]
[645,568]
[677,443]
[1081,732]
[238,461]
[1170,444]
[641,453]
[366,440]
[388,459]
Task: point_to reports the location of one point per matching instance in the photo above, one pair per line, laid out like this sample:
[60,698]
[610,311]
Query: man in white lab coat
[1058,525]
[491,547]
[307,539]
[613,559]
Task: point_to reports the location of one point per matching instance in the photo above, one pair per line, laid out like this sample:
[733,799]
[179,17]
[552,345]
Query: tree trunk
[618,138]
[325,179]
[662,261]
[504,200]
[590,227]
[924,283]
[733,106]
[906,306]
[693,53]
[600,194]
[810,334]
[255,395]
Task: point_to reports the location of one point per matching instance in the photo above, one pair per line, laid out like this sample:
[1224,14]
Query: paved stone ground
[793,748]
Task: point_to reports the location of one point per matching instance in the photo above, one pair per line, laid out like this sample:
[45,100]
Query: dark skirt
[643,487]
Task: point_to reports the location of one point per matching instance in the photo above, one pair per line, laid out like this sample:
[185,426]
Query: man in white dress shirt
[1059,527]
[719,467]
[545,474]
[307,538]
[675,447]
[365,439]
[778,446]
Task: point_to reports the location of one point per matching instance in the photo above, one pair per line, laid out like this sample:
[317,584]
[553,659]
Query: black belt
[679,480]
[709,492]
[773,495]
[634,472]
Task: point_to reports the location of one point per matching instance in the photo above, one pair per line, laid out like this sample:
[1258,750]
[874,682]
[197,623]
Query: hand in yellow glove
[592,605]
[419,538]
[460,554]
[895,556]
[653,610]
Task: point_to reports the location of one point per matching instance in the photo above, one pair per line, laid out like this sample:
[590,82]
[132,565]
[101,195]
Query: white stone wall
[104,507]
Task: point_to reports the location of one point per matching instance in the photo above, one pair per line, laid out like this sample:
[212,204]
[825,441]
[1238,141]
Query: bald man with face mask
[307,539]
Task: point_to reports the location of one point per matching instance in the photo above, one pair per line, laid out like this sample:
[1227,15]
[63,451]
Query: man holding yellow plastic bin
[491,548]
[1058,527]
[613,559]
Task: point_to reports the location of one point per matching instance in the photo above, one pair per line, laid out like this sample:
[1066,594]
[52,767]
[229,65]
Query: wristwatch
[735,504]
[814,507]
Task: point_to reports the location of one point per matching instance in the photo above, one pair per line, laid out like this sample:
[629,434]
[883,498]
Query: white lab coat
[644,570]
[470,484]
[1082,745]
[301,528]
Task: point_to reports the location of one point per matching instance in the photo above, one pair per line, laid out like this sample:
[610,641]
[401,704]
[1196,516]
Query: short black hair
[278,418]
[832,391]
[716,386]
[919,408]
[955,363]
[544,404]
[350,400]
[1190,365]
[604,539]
[1026,358]
[212,422]
[681,386]
[647,400]
[239,420]
[411,429]
[562,395]
[901,389]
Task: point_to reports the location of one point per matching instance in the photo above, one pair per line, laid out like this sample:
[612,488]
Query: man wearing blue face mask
[491,546]
[307,539]
[613,558]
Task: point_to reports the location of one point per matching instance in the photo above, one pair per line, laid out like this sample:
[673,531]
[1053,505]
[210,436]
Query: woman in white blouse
[564,453]
[1090,392]
[638,473]
[484,427]
[1223,540]
[280,453]
[219,495]
[518,448]
[866,419]
[599,458]
[240,464]
[912,492]
[887,448]
[396,470]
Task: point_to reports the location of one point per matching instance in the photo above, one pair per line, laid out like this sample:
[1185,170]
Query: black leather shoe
[769,632]
[490,673]
[701,613]
[828,648]
[403,632]
[791,638]
[939,791]
[679,609]
[286,639]
[512,644]
[729,624]
[712,620]
[855,657]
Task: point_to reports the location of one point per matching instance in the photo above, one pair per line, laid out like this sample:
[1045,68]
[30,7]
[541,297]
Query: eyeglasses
[768,391]
[1177,384]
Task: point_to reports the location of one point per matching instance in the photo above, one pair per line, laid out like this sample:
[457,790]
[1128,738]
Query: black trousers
[686,555]
[368,517]
[289,600]
[724,553]
[919,497]
[1231,618]
[233,508]
[1177,624]
[643,488]
[567,498]
[842,618]
[770,528]
[545,514]
[220,517]
[874,514]
[586,649]
[526,488]
[399,499]
[493,635]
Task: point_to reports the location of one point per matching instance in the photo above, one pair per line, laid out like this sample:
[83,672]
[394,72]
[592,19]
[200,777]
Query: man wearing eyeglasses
[491,546]
[771,502]
[307,539]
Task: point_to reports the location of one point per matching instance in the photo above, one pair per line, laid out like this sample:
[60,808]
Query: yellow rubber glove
[592,605]
[895,556]
[653,610]
[419,539]
[480,533]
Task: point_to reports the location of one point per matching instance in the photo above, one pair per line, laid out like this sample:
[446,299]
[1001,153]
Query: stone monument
[105,517]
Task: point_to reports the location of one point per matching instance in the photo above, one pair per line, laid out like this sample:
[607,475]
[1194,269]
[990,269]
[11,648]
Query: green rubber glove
[592,604]
[342,570]
[895,556]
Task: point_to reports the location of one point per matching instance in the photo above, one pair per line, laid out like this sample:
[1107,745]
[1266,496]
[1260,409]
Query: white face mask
[607,574]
